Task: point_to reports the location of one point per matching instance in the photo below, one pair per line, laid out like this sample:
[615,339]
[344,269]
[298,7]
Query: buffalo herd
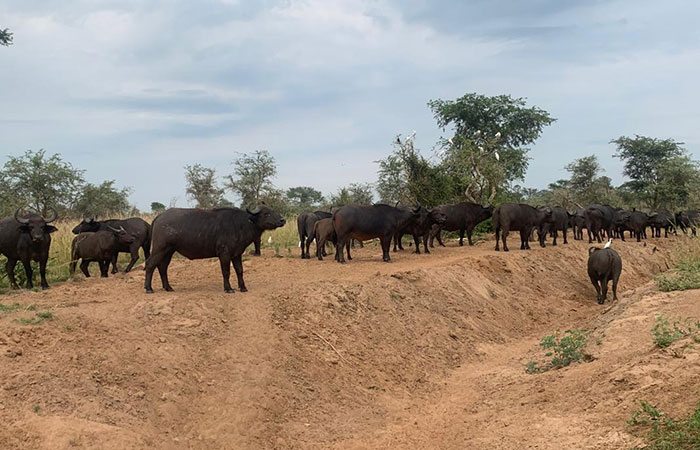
[225,233]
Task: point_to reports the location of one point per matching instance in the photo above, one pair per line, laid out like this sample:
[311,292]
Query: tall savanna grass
[685,273]
[283,241]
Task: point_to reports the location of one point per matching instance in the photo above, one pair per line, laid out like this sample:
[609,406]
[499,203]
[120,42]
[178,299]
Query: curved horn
[253,212]
[114,229]
[20,219]
[54,216]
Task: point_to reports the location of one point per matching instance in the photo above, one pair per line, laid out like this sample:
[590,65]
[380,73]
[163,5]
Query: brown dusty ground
[427,352]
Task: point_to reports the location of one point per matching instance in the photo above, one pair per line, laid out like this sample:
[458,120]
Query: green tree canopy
[645,162]
[102,200]
[304,197]
[41,182]
[500,125]
[252,177]
[5,37]
[202,186]
[353,194]
[157,207]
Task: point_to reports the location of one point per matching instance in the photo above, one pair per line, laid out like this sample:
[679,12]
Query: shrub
[666,333]
[563,349]
[685,273]
[665,433]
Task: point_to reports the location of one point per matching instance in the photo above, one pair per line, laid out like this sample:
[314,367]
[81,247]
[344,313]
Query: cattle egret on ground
[269,240]
[609,243]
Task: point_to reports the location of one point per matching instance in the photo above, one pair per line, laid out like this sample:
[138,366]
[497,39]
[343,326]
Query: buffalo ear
[50,228]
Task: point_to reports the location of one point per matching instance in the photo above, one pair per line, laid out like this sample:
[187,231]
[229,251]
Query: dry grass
[685,273]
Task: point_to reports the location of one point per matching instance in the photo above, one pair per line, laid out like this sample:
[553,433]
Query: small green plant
[36,409]
[9,308]
[666,333]
[38,318]
[665,433]
[685,273]
[563,349]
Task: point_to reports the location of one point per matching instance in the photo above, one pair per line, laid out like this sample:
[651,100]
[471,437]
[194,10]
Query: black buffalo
[559,222]
[635,222]
[420,228]
[462,217]
[519,217]
[324,232]
[135,226]
[199,233]
[604,264]
[599,221]
[369,222]
[661,218]
[577,221]
[688,220]
[26,239]
[101,246]
[305,226]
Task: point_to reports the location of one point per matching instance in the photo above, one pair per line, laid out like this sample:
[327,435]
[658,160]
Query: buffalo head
[36,226]
[265,218]
[123,236]
[438,215]
[87,225]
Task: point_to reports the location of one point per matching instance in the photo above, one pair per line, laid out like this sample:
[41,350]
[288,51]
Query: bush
[665,433]
[666,333]
[686,272]
[562,349]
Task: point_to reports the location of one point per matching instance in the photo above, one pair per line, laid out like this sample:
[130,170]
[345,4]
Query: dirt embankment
[427,352]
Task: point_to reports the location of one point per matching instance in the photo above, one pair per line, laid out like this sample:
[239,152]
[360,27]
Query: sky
[133,90]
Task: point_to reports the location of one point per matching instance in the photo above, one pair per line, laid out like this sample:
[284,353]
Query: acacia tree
[252,177]
[645,162]
[353,194]
[102,200]
[392,180]
[202,186]
[41,182]
[157,207]
[488,149]
[303,197]
[5,37]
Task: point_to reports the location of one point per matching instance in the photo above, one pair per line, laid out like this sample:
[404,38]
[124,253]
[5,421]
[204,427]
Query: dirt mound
[425,352]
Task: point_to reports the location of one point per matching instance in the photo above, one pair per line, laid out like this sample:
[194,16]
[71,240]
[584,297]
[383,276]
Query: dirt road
[426,352]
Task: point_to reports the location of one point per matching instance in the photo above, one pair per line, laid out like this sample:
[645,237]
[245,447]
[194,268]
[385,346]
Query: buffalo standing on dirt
[420,228]
[599,221]
[661,218]
[135,226]
[635,222]
[560,222]
[604,264]
[523,218]
[577,221]
[369,222]
[305,227]
[324,232]
[688,220]
[101,246]
[196,234]
[26,239]
[462,217]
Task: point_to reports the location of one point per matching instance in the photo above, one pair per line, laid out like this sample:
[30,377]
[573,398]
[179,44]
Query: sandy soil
[426,352]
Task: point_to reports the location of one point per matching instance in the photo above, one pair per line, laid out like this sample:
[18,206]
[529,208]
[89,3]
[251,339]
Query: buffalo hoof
[229,291]
[168,289]
[43,288]
[149,291]
[243,289]
[601,301]
[506,250]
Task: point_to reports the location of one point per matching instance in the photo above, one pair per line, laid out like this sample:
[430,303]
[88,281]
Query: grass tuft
[562,349]
[662,432]
[685,273]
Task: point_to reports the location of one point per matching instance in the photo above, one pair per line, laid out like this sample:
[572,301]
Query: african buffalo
[661,218]
[324,232]
[634,221]
[599,220]
[688,220]
[460,217]
[577,221]
[207,233]
[519,217]
[368,222]
[135,226]
[420,228]
[604,264]
[25,239]
[305,226]
[560,221]
[101,246]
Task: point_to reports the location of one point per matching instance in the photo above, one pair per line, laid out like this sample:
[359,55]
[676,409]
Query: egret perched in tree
[498,158]
[498,135]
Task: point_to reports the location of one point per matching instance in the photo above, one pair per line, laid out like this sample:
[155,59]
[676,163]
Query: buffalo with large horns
[26,239]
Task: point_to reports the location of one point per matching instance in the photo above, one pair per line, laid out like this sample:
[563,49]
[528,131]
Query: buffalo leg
[84,267]
[603,289]
[461,237]
[504,236]
[163,270]
[438,236]
[385,242]
[320,246]
[563,231]
[10,268]
[396,242]
[134,251]
[616,278]
[238,267]
[256,243]
[469,236]
[42,274]
[225,262]
[28,271]
[594,281]
[342,243]
[115,267]
[151,264]
[498,232]
[302,245]
[525,241]
[309,240]
[425,243]
[104,267]
[416,241]
[347,248]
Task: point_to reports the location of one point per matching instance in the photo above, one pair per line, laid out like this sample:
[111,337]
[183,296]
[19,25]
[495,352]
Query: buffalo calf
[101,246]
[323,232]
